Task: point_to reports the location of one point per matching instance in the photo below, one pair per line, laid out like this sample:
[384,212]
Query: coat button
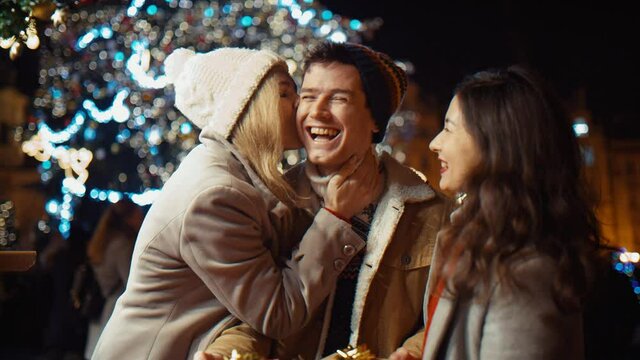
[338,264]
[349,250]
[406,259]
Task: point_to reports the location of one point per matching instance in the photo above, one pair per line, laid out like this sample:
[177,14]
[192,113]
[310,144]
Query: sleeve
[243,339]
[525,323]
[223,241]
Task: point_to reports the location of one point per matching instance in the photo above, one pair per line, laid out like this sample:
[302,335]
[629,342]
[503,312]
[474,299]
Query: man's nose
[320,110]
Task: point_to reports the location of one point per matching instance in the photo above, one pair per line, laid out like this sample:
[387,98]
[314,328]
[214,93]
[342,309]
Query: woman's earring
[459,198]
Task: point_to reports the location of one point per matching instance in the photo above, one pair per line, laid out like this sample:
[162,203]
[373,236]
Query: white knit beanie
[213,89]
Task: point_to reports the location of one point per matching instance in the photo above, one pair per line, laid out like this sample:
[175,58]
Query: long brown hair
[112,221]
[527,193]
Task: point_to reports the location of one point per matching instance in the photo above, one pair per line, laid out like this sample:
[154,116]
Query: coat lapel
[439,325]
[403,185]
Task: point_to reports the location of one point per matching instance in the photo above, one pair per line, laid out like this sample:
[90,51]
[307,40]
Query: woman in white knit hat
[218,245]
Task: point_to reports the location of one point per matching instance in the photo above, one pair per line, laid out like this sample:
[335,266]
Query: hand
[403,354]
[201,355]
[356,185]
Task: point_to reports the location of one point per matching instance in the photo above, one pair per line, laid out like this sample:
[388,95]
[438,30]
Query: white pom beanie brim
[214,88]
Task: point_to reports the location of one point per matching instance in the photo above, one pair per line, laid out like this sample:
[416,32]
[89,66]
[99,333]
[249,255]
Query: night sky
[574,45]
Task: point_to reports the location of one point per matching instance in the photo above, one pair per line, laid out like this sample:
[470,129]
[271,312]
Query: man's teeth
[324,131]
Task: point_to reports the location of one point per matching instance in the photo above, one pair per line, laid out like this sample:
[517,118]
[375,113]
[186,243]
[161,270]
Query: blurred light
[185,128]
[152,10]
[114,197]
[6,43]
[64,228]
[138,64]
[74,186]
[133,8]
[153,136]
[145,198]
[52,207]
[118,110]
[580,127]
[89,134]
[325,29]
[306,17]
[327,15]
[355,24]
[33,42]
[94,193]
[106,32]
[338,37]
[629,257]
[246,21]
[123,136]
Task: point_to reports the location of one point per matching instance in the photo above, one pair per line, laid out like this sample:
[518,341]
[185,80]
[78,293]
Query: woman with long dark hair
[513,266]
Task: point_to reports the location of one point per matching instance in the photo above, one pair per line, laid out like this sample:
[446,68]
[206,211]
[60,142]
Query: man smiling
[347,96]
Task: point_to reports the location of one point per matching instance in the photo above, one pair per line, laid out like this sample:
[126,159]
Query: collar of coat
[403,185]
[239,165]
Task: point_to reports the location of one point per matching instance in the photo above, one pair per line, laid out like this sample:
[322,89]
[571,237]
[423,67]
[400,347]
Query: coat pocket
[415,238]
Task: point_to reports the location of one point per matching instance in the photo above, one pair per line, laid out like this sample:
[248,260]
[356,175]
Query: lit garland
[102,108]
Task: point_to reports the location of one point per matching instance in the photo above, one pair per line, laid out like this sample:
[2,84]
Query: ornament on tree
[18,24]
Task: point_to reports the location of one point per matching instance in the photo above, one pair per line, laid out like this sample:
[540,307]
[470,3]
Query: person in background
[109,252]
[513,268]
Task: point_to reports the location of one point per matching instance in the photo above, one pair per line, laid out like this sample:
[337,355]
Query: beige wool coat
[522,324]
[204,260]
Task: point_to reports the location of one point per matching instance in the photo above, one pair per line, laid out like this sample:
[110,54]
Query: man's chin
[328,162]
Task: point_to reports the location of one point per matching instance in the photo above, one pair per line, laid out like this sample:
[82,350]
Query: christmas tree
[104,126]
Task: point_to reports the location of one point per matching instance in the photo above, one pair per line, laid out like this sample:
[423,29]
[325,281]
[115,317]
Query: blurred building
[613,173]
[19,182]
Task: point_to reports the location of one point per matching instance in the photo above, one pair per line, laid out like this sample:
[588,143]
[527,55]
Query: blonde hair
[259,138]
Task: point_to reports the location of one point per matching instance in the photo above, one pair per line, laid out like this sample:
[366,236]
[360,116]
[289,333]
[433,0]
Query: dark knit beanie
[384,83]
